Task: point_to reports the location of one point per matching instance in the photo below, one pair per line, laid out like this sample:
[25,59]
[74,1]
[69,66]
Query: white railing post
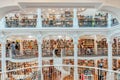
[75,18]
[75,58]
[39,40]
[109,21]
[3,58]
[39,18]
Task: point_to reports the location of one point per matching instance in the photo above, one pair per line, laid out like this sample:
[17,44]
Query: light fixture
[29,36]
[59,37]
[81,9]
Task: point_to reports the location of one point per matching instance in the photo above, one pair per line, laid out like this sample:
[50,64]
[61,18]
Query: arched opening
[92,45]
[54,48]
[60,45]
[21,47]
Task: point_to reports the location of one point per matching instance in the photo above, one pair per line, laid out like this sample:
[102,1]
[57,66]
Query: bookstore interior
[59,43]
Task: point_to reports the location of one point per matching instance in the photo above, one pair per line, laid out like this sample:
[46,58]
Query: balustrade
[51,72]
[58,17]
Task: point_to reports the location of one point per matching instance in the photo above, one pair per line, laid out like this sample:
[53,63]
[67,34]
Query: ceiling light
[30,36]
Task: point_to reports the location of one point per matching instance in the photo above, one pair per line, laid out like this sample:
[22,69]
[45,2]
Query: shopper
[13,48]
[17,48]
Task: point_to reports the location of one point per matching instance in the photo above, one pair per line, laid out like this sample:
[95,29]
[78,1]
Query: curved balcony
[51,72]
[59,18]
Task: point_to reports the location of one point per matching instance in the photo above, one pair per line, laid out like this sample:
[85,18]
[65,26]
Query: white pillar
[39,19]
[39,40]
[3,58]
[109,41]
[75,19]
[75,58]
[109,21]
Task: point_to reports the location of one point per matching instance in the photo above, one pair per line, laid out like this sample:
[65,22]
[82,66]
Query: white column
[109,41]
[75,58]
[3,58]
[39,19]
[39,40]
[109,20]
[75,18]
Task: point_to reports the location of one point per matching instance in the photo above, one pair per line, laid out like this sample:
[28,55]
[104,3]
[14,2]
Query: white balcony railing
[51,72]
[64,18]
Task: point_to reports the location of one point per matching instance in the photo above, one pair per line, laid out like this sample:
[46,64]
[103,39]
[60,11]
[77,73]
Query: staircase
[57,61]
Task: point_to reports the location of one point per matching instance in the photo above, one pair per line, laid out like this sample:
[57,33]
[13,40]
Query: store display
[47,62]
[30,47]
[68,61]
[21,49]
[104,63]
[21,20]
[86,63]
[51,73]
[86,47]
[99,20]
[24,73]
[57,47]
[114,47]
[115,64]
[57,18]
[118,46]
[102,47]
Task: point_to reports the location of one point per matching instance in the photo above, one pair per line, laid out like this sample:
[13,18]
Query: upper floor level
[59,18]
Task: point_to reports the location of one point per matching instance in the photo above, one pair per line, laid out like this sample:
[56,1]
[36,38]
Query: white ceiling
[7,6]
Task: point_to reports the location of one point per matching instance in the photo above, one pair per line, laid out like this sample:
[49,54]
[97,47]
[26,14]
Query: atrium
[60,40]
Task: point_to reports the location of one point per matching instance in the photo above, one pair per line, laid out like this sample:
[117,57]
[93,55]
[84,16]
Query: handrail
[112,71]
